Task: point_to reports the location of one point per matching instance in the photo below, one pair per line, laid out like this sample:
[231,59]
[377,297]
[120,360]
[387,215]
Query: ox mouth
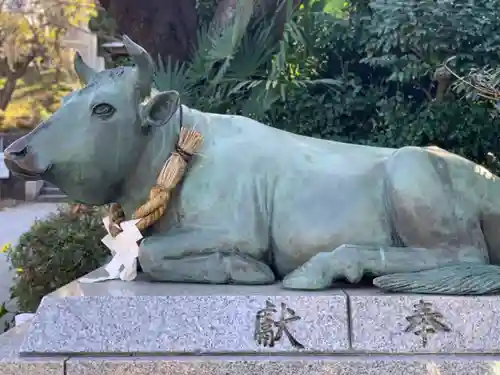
[19,171]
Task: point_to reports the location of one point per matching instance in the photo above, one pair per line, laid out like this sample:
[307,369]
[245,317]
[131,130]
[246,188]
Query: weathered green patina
[261,204]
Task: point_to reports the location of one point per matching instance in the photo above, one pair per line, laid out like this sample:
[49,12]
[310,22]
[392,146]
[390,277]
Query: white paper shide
[124,249]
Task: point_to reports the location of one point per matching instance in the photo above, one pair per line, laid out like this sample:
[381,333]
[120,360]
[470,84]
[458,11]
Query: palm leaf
[240,66]
[256,50]
[200,63]
[171,75]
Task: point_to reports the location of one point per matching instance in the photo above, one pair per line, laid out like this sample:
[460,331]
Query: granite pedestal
[142,328]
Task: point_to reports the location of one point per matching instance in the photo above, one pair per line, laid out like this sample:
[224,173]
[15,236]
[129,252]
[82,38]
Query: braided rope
[169,177]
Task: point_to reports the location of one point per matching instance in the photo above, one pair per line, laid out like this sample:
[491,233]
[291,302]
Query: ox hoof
[315,274]
[325,268]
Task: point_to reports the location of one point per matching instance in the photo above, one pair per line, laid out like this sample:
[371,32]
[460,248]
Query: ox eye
[103,110]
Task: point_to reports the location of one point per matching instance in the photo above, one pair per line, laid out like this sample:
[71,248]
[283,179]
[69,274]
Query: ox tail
[459,279]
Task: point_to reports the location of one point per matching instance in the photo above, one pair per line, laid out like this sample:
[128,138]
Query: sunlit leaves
[39,28]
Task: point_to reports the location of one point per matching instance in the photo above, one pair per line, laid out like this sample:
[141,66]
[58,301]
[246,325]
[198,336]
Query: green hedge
[54,252]
[386,60]
[388,57]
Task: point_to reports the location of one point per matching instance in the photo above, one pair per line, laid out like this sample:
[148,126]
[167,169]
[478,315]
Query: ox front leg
[351,262]
[197,258]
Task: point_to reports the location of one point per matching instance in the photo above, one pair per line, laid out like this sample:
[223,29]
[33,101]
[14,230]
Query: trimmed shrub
[55,251]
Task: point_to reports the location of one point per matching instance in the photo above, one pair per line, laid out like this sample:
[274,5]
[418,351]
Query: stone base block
[11,362]
[406,324]
[135,328]
[161,319]
[32,189]
[283,366]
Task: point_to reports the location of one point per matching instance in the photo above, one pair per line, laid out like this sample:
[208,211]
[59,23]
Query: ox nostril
[21,153]
[13,152]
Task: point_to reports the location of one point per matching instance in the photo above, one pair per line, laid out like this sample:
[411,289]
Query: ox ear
[84,72]
[160,108]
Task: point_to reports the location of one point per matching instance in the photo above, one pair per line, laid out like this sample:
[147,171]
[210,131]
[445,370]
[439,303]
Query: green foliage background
[359,72]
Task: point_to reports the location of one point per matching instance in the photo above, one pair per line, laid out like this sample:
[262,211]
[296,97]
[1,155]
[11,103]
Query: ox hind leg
[437,229]
[399,267]
[197,256]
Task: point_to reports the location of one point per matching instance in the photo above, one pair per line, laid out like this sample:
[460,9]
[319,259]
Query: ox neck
[156,152]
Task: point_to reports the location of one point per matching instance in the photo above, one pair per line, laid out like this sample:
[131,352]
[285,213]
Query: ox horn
[144,63]
[84,72]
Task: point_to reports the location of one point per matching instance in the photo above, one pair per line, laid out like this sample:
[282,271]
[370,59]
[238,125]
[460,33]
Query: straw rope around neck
[169,177]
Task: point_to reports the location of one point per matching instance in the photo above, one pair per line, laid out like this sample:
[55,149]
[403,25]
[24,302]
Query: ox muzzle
[21,160]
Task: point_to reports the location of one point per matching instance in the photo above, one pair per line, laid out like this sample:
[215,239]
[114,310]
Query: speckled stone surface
[379,322]
[12,364]
[180,318]
[283,366]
